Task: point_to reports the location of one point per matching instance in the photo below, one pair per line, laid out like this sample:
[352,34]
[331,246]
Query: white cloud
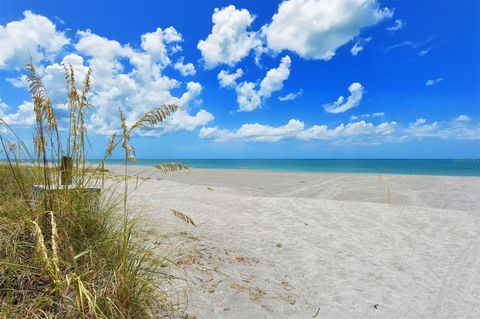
[35,35]
[136,88]
[456,130]
[229,79]
[359,45]
[420,128]
[185,69]
[229,42]
[193,91]
[274,79]
[462,118]
[155,43]
[92,44]
[180,120]
[291,96]
[295,129]
[376,114]
[411,44]
[397,25]
[249,97]
[355,132]
[214,133]
[53,77]
[315,29]
[258,132]
[433,82]
[340,106]
[24,116]
[141,89]
[351,131]
[3,107]
[183,121]
[255,132]
[18,82]
[424,52]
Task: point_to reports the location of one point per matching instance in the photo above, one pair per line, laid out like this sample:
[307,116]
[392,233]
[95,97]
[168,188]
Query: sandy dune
[303,245]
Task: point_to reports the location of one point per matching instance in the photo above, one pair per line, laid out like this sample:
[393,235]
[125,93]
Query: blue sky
[259,79]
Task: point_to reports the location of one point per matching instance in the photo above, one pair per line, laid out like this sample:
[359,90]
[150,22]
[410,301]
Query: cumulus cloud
[398,24]
[462,118]
[355,132]
[24,116]
[376,114]
[342,105]
[291,96]
[18,82]
[53,77]
[3,107]
[227,79]
[181,120]
[350,131]
[185,69]
[295,129]
[433,82]
[230,41]
[255,132]
[155,43]
[456,130]
[315,29]
[359,45]
[35,35]
[144,87]
[249,97]
[135,89]
[274,79]
[420,128]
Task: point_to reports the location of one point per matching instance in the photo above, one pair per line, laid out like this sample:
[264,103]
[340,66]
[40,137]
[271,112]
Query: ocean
[446,167]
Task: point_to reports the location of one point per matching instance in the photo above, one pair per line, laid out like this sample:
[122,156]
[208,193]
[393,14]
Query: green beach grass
[68,254]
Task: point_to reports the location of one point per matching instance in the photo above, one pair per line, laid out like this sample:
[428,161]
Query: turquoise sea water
[453,167]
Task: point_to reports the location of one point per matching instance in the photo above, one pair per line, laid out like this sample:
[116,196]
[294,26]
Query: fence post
[66,170]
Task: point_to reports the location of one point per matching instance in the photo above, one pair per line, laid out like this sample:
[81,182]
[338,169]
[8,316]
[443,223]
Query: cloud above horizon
[249,94]
[315,29]
[136,91]
[229,41]
[433,81]
[249,73]
[291,96]
[354,132]
[341,104]
[398,24]
[34,36]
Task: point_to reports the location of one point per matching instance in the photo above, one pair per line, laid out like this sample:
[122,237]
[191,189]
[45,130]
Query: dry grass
[68,255]
[183,217]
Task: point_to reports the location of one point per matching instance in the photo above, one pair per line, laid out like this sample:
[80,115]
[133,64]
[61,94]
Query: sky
[256,79]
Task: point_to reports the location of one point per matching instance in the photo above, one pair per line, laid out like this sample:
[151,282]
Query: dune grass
[68,254]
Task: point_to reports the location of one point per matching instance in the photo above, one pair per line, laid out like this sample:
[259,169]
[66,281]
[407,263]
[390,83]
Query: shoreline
[441,167]
[302,171]
[261,170]
[470,173]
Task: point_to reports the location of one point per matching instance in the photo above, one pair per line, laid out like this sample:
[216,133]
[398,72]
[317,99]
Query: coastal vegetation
[67,254]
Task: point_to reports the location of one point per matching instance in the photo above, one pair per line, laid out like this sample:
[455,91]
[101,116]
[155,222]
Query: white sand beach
[315,245]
